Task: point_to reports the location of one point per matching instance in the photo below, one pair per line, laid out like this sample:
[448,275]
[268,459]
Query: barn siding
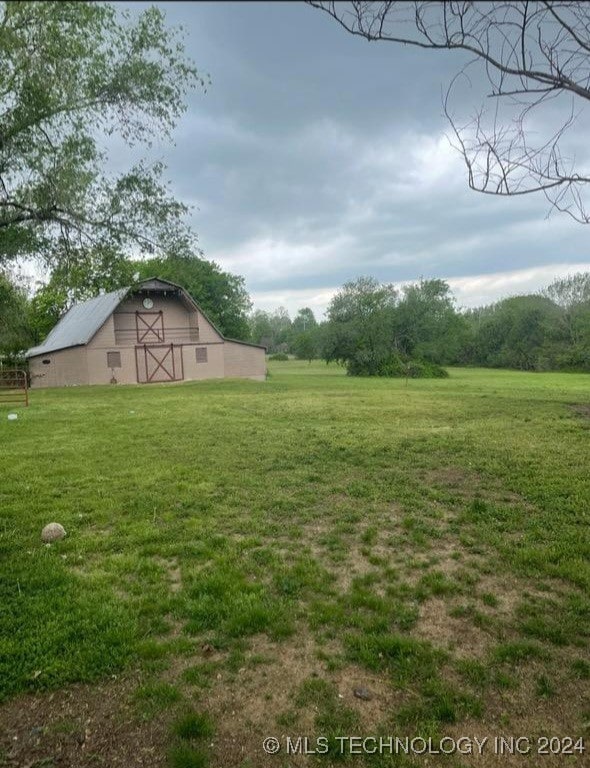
[68,368]
[212,369]
[243,360]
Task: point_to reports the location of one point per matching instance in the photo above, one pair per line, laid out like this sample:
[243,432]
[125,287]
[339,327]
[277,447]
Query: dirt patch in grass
[467,484]
[521,712]
[582,409]
[451,633]
[80,726]
[260,699]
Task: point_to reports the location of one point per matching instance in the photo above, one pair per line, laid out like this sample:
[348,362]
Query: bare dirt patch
[582,409]
[81,726]
[522,713]
[250,709]
[455,634]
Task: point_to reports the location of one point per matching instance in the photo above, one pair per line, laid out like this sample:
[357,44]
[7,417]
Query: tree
[304,342]
[535,57]
[305,345]
[73,75]
[47,306]
[522,332]
[426,322]
[15,330]
[360,320]
[272,330]
[572,295]
[303,321]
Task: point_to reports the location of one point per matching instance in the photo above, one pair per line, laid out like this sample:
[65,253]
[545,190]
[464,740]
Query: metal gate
[14,387]
[159,362]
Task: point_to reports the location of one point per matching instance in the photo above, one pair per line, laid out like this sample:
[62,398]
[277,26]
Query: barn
[152,332]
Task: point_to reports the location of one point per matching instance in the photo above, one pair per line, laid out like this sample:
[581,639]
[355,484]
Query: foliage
[16,334]
[375,331]
[271,329]
[547,331]
[427,325]
[76,77]
[279,357]
[306,345]
[395,366]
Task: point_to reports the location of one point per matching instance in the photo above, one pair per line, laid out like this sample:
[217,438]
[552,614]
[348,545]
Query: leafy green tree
[271,329]
[523,332]
[15,330]
[427,324]
[303,321]
[46,307]
[305,345]
[261,331]
[74,74]
[361,320]
[572,295]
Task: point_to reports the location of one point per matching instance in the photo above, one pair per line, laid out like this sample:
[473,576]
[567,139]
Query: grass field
[241,557]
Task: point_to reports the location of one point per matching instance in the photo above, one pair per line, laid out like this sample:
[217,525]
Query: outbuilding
[152,332]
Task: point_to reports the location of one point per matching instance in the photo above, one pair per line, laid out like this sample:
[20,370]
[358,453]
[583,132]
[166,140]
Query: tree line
[376,329]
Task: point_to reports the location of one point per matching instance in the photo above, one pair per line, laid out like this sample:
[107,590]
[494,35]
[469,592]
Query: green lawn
[282,541]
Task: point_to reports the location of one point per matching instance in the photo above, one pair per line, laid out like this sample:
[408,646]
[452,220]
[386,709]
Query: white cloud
[470,291]
[476,290]
[269,259]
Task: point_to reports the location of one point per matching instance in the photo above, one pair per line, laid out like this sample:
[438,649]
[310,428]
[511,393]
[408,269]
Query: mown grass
[216,512]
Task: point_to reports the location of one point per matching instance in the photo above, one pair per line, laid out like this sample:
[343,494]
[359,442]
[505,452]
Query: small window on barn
[46,361]
[113,359]
[201,354]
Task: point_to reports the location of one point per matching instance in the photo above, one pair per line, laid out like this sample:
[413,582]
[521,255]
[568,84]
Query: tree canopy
[76,77]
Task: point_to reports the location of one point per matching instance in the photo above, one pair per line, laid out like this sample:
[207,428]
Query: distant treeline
[376,329]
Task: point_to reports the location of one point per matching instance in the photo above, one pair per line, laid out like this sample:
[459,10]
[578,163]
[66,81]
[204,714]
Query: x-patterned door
[150,327]
[158,363]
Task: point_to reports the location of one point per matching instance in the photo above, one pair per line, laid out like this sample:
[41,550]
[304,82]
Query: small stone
[52,532]
[363,693]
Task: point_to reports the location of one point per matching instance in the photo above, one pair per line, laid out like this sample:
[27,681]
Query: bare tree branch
[531,52]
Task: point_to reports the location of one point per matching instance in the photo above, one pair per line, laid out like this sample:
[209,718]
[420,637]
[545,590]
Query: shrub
[279,356]
[394,365]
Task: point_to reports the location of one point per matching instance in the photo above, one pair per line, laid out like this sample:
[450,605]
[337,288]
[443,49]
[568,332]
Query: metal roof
[80,323]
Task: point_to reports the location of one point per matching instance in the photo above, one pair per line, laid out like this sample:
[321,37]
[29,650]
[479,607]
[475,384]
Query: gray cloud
[316,157]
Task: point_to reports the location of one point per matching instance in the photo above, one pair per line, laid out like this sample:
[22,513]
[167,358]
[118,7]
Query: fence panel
[14,387]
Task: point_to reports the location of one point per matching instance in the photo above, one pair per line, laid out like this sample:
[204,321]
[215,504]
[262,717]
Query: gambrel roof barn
[151,332]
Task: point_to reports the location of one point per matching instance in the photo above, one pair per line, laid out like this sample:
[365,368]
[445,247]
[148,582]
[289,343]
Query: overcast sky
[316,157]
